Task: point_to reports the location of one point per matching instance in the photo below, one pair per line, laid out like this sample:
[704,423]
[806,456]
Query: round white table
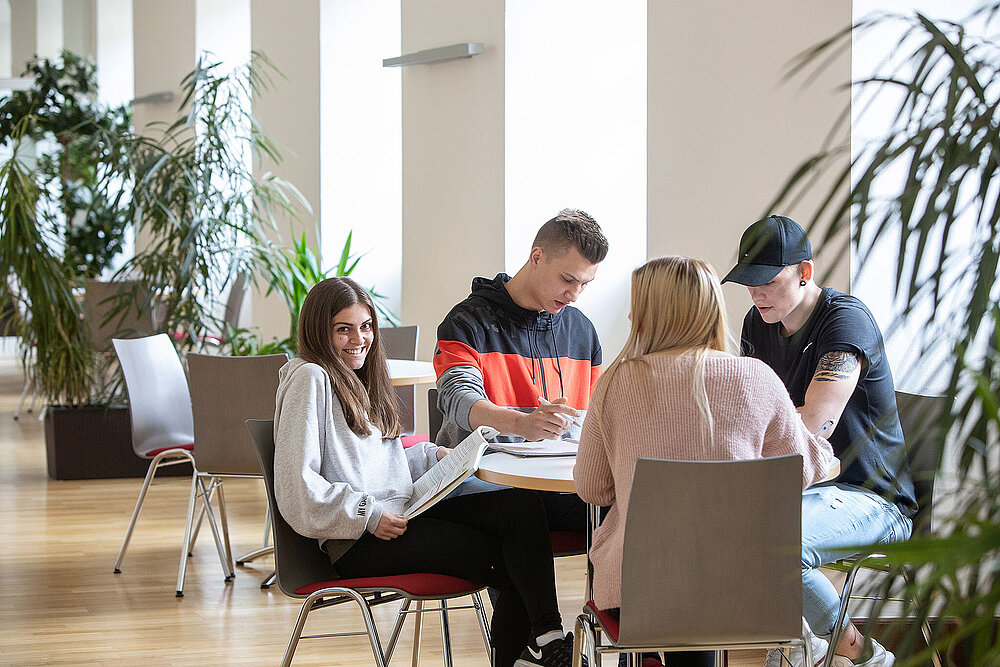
[550,473]
[407,371]
[541,473]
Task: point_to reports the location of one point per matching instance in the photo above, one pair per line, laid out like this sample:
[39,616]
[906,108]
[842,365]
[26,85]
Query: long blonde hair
[676,304]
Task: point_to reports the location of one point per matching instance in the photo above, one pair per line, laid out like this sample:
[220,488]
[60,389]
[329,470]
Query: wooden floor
[60,603]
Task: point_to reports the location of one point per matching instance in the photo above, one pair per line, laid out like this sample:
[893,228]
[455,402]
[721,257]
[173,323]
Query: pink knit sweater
[648,410]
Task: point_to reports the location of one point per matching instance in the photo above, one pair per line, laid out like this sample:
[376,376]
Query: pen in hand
[574,420]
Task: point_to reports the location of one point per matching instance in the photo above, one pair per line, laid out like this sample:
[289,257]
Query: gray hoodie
[329,482]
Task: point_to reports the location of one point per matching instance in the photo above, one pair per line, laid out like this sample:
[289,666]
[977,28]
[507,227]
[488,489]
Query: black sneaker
[557,653]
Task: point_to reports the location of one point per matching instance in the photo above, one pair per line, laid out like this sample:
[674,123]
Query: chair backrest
[919,416]
[713,552]
[158,396]
[234,304]
[225,392]
[401,343]
[298,560]
[100,301]
[435,418]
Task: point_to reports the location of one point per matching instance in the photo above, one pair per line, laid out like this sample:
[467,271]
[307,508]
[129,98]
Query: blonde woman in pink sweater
[674,378]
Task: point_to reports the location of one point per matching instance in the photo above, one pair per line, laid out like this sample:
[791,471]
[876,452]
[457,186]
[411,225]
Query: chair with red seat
[711,561]
[162,431]
[303,571]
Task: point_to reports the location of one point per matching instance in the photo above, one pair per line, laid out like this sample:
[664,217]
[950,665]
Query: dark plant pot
[94,442]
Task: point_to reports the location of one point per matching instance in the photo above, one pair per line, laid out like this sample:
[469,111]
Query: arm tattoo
[834,366]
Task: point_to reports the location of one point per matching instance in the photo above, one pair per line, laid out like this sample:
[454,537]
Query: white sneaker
[797,656]
[880,657]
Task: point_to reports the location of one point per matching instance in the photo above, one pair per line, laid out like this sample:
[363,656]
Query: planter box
[94,443]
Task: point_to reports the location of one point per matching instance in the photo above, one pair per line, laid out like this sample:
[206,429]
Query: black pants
[499,539]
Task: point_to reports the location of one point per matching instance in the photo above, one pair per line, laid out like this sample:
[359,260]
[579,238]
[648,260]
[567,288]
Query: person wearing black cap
[827,349]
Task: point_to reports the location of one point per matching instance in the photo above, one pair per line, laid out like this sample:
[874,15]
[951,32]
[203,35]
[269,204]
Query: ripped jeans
[834,517]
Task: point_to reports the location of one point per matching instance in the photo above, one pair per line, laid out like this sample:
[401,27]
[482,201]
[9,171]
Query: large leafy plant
[203,214]
[83,162]
[39,287]
[928,187]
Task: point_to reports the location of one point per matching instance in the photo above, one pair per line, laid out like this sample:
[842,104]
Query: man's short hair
[572,228]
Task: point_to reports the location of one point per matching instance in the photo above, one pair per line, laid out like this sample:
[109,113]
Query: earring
[802,283]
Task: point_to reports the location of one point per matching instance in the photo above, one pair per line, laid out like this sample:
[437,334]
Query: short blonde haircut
[676,305]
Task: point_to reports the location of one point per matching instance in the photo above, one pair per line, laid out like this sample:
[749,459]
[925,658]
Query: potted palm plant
[204,216]
[928,188]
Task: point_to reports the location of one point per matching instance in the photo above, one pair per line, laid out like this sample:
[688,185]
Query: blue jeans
[835,518]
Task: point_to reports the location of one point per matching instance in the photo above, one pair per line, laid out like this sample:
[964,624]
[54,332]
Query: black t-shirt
[868,439]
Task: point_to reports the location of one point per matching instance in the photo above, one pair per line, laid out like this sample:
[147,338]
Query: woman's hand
[390,526]
[442,452]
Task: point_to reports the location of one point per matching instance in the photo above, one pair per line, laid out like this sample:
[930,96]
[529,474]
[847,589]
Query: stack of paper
[538,447]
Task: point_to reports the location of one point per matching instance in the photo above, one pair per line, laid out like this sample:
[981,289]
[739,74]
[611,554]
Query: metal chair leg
[845,599]
[397,626]
[225,530]
[417,627]
[180,456]
[187,533]
[484,625]
[366,613]
[219,546]
[29,385]
[445,634]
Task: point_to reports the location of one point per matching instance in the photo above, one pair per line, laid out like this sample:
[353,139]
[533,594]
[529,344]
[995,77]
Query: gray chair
[225,392]
[919,416]
[435,418]
[712,561]
[162,431]
[304,572]
[401,343]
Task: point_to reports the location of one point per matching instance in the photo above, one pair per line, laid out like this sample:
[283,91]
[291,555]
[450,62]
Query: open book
[449,472]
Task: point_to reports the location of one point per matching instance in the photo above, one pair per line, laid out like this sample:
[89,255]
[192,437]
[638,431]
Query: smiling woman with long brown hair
[343,477]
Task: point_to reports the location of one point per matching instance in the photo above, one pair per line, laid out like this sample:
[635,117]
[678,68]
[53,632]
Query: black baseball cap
[768,246]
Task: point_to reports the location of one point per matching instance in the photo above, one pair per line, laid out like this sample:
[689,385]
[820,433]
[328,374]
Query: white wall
[164,51]
[23,34]
[575,130]
[115,57]
[725,131]
[453,159]
[49,40]
[289,34]
[5,39]
[361,135]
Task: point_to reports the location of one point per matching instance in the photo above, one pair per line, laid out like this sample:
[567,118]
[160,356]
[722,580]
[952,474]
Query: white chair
[712,561]
[162,431]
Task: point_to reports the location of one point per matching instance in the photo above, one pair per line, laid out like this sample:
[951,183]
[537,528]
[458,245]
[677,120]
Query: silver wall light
[463,50]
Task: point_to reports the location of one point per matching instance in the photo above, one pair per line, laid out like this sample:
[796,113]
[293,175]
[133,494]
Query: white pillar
[79,27]
[453,159]
[164,46]
[289,34]
[725,130]
[23,34]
